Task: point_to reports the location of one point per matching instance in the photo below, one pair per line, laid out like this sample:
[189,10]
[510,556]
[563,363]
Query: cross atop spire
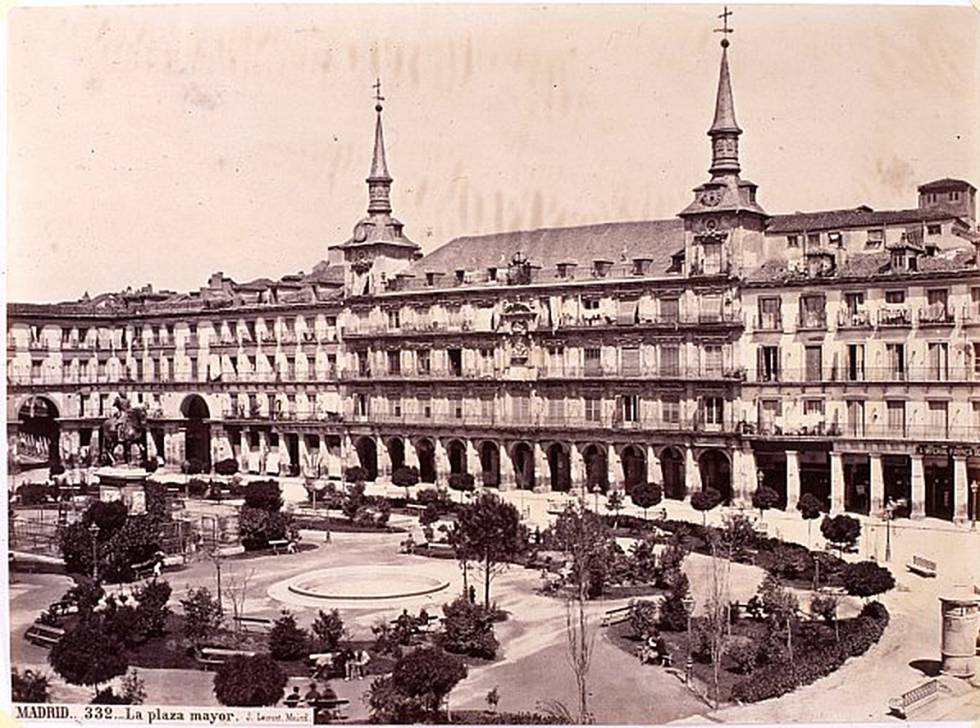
[377,95]
[724,29]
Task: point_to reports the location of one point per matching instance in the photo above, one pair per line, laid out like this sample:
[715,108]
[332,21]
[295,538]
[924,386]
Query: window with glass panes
[423,361]
[521,408]
[593,409]
[670,409]
[630,407]
[556,360]
[813,407]
[769,411]
[456,408]
[486,409]
[425,407]
[630,361]
[394,319]
[394,362]
[896,417]
[556,410]
[938,354]
[713,359]
[593,360]
[670,309]
[670,358]
[710,308]
[895,355]
[770,314]
[938,417]
[713,409]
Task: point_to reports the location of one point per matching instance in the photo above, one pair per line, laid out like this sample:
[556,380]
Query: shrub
[809,506]
[867,579]
[89,654]
[152,611]
[228,466]
[356,474]
[192,466]
[705,500]
[462,482]
[327,630]
[258,526]
[354,499]
[33,494]
[842,531]
[197,488]
[433,496]
[467,629]
[56,469]
[765,498]
[427,675]
[287,641]
[202,615]
[405,477]
[249,682]
[825,607]
[643,562]
[29,686]
[264,494]
[742,653]
[643,618]
[673,613]
[646,495]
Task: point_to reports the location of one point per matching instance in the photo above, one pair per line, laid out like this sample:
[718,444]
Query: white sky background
[160,144]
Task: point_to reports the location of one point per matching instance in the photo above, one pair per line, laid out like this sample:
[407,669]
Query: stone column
[411,454]
[576,466]
[507,479]
[792,479]
[692,474]
[918,488]
[877,485]
[836,483]
[614,469]
[347,453]
[168,446]
[473,465]
[960,489]
[655,473]
[263,451]
[542,473]
[384,458]
[747,481]
[244,450]
[442,464]
[304,460]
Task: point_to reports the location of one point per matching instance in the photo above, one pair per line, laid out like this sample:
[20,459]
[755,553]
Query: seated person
[293,699]
[312,696]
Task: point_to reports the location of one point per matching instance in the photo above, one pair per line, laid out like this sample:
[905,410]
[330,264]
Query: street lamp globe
[94,529]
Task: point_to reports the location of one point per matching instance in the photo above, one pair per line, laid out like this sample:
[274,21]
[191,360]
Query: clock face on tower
[710,197]
[360,233]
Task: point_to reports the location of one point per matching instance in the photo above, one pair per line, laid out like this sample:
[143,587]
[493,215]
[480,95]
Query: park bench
[912,700]
[330,709]
[144,569]
[430,625]
[62,608]
[616,616]
[254,624]
[439,546]
[219,655]
[322,664]
[922,566]
[555,507]
[278,543]
[44,635]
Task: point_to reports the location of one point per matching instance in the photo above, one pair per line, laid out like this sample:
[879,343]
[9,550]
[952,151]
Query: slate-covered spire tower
[723,225]
[377,250]
[724,132]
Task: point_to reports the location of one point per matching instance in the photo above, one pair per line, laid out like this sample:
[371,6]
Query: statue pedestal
[123,484]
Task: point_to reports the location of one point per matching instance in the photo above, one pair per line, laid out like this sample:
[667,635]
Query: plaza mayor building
[834,352]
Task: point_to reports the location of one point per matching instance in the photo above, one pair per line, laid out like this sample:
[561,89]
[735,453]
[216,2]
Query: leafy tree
[704,501]
[202,615]
[356,474]
[583,535]
[328,630]
[646,495]
[614,503]
[643,618]
[669,563]
[152,610]
[258,526]
[405,477]
[29,686]
[809,507]
[228,466]
[842,531]
[287,641]
[462,482]
[249,681]
[490,531]
[737,535]
[764,498]
[428,675]
[467,629]
[643,562]
[673,610]
[33,494]
[264,494]
[866,579]
[354,499]
[89,654]
[781,605]
[825,606]
[132,692]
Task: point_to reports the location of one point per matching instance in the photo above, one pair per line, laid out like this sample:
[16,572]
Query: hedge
[856,637]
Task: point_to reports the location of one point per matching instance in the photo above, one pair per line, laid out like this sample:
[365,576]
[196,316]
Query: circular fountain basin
[374,584]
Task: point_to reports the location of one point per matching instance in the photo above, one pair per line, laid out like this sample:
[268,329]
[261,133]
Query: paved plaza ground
[534,665]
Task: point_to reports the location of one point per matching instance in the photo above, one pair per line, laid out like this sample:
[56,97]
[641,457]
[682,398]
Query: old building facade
[835,353]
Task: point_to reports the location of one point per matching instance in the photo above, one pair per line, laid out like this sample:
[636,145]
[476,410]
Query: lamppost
[688,602]
[93,531]
[596,490]
[216,558]
[890,509]
[760,477]
[974,487]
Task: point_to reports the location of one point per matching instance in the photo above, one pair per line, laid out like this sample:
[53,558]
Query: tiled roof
[944,183]
[948,260]
[865,265]
[853,217]
[544,249]
[325,274]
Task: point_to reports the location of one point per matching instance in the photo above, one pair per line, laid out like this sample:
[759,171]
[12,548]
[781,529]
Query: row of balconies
[586,320]
[285,415]
[887,316]
[852,430]
[552,372]
[179,376]
[849,374]
[690,424]
[307,339]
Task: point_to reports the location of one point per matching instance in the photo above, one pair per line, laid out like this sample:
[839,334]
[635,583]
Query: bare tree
[717,605]
[236,587]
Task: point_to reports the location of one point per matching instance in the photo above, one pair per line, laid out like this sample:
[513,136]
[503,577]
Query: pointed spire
[724,102]
[379,181]
[724,131]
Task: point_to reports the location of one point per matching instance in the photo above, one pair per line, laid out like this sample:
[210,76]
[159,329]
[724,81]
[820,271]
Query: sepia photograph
[492,364]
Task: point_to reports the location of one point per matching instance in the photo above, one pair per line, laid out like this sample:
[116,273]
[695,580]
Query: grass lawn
[340,525]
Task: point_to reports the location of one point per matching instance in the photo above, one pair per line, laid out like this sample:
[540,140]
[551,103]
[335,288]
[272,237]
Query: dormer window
[491,274]
[835,238]
[875,238]
[430,279]
[565,270]
[601,268]
[460,276]
[641,266]
[955,195]
[934,230]
[813,239]
[792,241]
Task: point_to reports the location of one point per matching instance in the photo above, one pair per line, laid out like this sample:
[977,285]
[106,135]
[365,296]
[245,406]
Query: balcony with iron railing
[894,316]
[811,320]
[572,371]
[971,313]
[936,314]
[858,374]
[564,422]
[769,322]
[287,415]
[854,319]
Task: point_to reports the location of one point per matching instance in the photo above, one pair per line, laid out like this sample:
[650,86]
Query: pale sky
[161,144]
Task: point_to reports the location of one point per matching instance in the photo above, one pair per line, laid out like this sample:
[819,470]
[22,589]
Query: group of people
[654,650]
[350,663]
[313,698]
